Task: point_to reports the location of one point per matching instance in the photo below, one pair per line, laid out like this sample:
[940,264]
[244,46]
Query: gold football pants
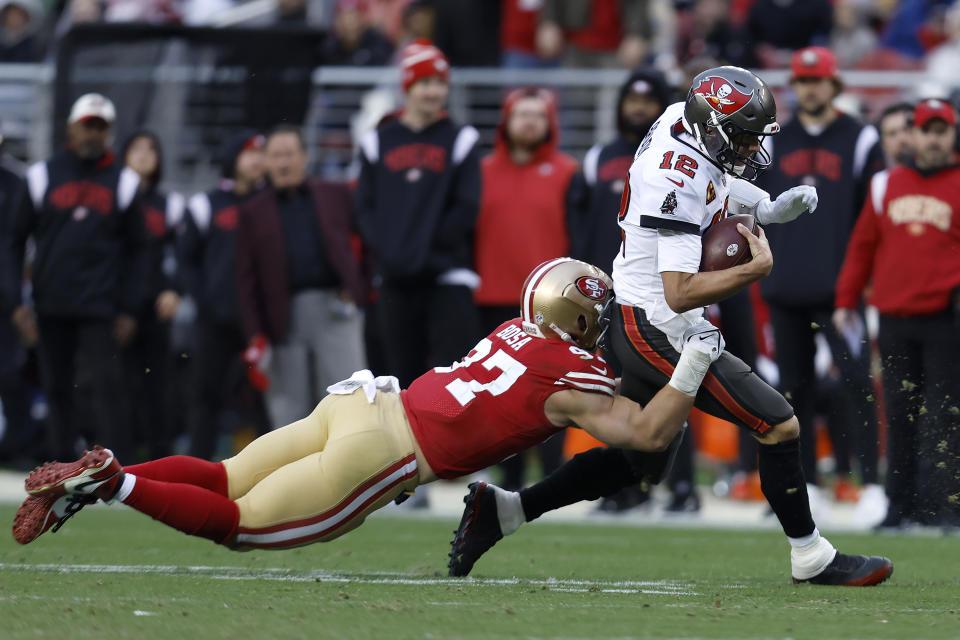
[317,478]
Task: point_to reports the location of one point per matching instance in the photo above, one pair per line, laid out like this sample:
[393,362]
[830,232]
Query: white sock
[810,555]
[509,510]
[126,488]
[690,370]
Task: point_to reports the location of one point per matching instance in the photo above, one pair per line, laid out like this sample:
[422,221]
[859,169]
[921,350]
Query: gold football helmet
[565,298]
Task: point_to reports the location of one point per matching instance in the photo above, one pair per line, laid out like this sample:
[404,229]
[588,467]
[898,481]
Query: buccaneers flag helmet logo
[721,95]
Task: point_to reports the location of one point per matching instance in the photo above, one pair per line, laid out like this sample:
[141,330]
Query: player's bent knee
[782,432]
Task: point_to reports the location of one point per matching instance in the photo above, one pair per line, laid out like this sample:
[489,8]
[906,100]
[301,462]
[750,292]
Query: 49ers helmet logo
[593,288]
[721,95]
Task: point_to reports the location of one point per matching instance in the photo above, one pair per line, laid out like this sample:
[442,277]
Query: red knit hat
[933,109]
[421,59]
[813,62]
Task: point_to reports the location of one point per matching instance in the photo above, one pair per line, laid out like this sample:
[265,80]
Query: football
[723,247]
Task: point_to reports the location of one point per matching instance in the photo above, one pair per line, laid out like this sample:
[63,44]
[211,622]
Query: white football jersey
[674,192]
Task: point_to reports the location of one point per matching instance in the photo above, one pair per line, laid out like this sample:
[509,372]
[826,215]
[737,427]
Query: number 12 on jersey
[464,391]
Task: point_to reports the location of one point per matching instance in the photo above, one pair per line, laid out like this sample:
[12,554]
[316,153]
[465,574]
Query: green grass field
[113,573]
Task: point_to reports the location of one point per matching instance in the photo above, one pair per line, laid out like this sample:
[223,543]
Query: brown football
[723,247]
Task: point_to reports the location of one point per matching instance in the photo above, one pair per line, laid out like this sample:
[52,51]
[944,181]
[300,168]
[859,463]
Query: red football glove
[257,358]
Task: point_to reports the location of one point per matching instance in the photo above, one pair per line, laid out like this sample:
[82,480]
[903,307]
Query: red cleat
[97,473]
[39,513]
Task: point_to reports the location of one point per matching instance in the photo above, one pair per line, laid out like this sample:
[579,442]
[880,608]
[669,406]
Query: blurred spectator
[419,22]
[943,62]
[76,12]
[778,27]
[417,200]
[386,16]
[468,31]
[89,274]
[21,440]
[706,30]
[835,153]
[152,11]
[595,33]
[597,188]
[851,39]
[907,244]
[19,23]
[521,224]
[298,281]
[905,27]
[896,134]
[291,13]
[207,255]
[147,357]
[518,35]
[353,42]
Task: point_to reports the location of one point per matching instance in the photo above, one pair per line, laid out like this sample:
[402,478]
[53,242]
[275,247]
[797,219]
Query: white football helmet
[565,298]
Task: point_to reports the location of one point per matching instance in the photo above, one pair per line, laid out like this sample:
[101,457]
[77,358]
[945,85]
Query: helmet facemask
[723,142]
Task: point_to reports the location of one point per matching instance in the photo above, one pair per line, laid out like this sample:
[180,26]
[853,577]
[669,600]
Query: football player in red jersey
[368,442]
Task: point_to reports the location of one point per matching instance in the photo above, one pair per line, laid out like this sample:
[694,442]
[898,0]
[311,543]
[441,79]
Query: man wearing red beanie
[417,200]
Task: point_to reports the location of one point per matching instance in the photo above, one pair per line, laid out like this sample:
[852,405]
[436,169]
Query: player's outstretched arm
[686,291]
[620,422]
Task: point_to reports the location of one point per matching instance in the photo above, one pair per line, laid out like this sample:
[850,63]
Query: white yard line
[387,578]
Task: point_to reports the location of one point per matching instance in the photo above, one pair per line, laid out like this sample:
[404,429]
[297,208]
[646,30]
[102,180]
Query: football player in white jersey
[693,169]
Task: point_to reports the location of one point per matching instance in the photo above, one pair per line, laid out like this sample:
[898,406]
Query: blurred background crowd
[207,217]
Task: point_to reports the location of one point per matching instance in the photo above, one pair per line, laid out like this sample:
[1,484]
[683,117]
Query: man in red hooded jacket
[522,219]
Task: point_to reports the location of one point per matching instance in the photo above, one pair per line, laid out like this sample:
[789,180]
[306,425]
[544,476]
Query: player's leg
[160,488]
[367,461]
[732,391]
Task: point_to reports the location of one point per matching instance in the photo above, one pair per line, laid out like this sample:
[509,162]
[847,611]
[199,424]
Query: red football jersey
[488,406]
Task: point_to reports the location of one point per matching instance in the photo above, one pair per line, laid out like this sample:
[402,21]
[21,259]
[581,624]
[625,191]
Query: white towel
[365,380]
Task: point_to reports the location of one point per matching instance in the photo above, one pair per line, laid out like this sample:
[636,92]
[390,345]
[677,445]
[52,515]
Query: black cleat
[853,571]
[478,531]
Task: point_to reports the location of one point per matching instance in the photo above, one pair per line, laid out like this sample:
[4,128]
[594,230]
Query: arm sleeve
[678,251]
[858,262]
[247,278]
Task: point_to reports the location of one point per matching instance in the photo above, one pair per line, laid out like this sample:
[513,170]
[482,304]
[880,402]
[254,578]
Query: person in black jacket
[417,202]
[837,154]
[88,275]
[206,252]
[147,357]
[20,441]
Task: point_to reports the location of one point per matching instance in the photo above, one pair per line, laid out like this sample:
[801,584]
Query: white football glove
[705,338]
[788,205]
